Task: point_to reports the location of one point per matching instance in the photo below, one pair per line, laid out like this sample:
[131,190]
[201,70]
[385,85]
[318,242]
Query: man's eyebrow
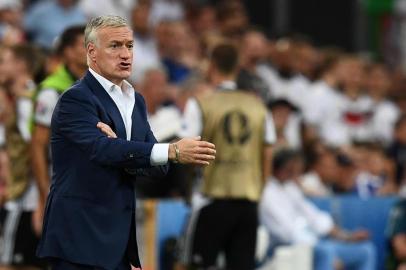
[121,41]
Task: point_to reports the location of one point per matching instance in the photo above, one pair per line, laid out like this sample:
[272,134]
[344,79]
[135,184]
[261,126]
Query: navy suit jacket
[90,207]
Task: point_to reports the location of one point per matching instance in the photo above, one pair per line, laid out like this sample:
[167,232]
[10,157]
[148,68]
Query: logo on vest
[236,128]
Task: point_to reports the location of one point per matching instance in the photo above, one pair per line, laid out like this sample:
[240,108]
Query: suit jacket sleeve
[75,119]
[155,171]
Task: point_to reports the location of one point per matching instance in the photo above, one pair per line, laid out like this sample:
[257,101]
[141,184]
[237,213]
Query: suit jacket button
[131,156]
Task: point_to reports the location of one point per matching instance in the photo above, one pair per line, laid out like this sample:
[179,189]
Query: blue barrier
[172,216]
[348,211]
[354,213]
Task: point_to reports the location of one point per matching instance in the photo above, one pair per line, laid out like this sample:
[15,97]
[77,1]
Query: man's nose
[125,53]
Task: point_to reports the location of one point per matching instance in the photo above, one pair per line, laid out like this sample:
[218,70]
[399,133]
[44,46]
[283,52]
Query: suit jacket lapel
[109,105]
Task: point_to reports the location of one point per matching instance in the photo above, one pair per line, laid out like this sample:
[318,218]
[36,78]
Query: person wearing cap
[70,47]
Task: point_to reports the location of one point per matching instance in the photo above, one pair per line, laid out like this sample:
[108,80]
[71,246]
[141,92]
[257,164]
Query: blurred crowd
[344,113]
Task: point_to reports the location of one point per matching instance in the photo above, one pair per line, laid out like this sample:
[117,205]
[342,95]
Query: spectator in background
[238,123]
[201,18]
[355,115]
[232,19]
[279,75]
[292,219]
[71,48]
[146,54]
[18,234]
[322,171]
[385,112]
[324,97]
[396,234]
[165,121]
[179,52]
[304,65]
[6,61]
[163,117]
[307,58]
[397,151]
[287,123]
[346,175]
[252,52]
[376,173]
[166,10]
[11,15]
[62,14]
[94,8]
[194,86]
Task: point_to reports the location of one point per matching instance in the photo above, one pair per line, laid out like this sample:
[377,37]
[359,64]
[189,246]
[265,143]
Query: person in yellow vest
[224,211]
[18,240]
[70,46]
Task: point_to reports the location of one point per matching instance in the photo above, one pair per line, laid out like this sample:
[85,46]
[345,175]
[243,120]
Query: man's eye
[130,46]
[114,46]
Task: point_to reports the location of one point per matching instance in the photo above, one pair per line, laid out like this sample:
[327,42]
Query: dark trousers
[229,226]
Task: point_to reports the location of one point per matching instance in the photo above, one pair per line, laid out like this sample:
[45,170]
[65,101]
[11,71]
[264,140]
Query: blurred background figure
[18,235]
[62,14]
[292,220]
[396,233]
[72,56]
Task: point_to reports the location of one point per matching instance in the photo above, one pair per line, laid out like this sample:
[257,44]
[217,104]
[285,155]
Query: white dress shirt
[124,100]
[290,217]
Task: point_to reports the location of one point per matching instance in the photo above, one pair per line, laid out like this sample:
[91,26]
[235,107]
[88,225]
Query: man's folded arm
[76,119]
[159,160]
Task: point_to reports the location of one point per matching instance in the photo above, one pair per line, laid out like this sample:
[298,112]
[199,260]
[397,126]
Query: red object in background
[356,118]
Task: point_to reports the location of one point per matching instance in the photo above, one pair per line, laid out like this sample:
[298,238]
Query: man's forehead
[123,33]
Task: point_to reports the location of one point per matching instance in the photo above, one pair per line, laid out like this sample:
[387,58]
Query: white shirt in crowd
[290,217]
[45,105]
[164,10]
[95,8]
[165,123]
[383,121]
[295,89]
[313,185]
[124,100]
[145,57]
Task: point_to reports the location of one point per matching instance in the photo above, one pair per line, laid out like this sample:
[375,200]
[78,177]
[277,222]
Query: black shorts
[228,226]
[18,242]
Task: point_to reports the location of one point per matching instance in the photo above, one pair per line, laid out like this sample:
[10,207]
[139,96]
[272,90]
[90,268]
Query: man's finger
[206,144]
[205,150]
[205,157]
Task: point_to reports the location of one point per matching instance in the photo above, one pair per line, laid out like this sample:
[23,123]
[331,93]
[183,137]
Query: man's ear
[91,51]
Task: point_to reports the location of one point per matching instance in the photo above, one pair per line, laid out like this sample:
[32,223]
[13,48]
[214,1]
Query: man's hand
[192,151]
[106,129]
[37,219]
[359,235]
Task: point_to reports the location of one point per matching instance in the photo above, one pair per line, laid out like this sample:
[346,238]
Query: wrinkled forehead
[121,33]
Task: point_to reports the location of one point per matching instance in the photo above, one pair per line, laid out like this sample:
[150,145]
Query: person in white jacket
[292,219]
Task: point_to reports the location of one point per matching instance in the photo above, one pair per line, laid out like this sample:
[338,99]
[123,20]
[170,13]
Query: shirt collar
[109,86]
[227,85]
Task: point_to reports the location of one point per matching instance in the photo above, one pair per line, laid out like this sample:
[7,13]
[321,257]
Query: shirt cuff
[159,154]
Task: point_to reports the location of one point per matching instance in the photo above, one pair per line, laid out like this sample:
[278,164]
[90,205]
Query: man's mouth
[125,65]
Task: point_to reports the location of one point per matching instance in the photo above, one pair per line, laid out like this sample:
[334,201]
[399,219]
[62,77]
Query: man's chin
[125,74]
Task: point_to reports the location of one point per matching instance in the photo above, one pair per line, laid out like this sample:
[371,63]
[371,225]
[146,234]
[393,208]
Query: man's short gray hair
[100,22]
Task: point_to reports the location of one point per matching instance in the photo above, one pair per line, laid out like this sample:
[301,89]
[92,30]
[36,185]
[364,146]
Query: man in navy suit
[101,141]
